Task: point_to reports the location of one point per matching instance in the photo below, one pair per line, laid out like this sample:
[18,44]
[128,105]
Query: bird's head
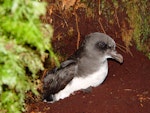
[102,46]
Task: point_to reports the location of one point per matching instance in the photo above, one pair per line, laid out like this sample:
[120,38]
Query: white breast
[79,83]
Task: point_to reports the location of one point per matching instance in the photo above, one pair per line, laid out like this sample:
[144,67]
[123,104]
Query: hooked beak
[116,56]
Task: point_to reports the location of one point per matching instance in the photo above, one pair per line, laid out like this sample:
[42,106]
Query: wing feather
[58,78]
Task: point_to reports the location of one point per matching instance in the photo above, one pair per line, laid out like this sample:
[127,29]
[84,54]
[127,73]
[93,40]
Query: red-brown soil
[126,89]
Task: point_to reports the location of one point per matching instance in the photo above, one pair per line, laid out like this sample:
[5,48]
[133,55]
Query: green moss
[23,48]
[139,21]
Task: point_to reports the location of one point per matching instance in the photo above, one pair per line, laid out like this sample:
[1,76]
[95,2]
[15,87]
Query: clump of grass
[138,18]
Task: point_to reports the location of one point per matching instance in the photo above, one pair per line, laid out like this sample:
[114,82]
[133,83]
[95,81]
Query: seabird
[86,68]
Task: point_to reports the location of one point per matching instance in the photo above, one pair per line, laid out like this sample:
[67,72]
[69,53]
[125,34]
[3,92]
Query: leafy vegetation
[23,48]
[139,21]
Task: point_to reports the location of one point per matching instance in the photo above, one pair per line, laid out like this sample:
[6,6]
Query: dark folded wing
[58,78]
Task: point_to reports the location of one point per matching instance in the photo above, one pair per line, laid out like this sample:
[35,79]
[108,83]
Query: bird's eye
[111,47]
[101,45]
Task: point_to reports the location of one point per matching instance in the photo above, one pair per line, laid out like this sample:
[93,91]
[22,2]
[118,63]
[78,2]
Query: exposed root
[44,73]
[77,27]
[99,19]
[117,18]
[61,18]
[124,49]
[99,11]
[101,25]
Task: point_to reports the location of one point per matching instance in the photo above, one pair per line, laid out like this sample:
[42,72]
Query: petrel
[86,68]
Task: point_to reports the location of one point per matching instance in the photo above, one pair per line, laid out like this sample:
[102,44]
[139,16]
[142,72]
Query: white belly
[79,83]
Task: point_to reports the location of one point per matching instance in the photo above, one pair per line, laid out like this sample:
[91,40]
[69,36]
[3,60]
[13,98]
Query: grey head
[100,46]
[93,52]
